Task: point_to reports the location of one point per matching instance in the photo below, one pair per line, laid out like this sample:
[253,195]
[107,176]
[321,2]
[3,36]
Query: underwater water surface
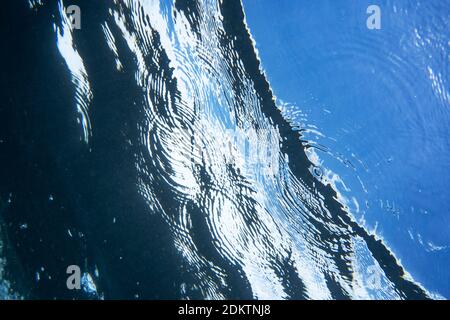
[224,150]
[374,105]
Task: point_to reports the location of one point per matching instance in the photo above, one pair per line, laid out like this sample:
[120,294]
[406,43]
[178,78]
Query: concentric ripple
[284,232]
[248,212]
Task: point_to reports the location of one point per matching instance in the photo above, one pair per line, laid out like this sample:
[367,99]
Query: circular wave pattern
[214,159]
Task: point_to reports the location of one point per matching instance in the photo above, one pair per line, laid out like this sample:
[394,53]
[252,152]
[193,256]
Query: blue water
[375,106]
[156,150]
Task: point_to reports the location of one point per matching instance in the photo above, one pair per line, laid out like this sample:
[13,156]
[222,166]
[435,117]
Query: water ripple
[219,160]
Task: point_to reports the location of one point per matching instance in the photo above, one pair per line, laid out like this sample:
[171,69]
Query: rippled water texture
[373,108]
[154,155]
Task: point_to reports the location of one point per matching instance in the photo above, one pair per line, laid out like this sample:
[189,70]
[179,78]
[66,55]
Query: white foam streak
[74,62]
